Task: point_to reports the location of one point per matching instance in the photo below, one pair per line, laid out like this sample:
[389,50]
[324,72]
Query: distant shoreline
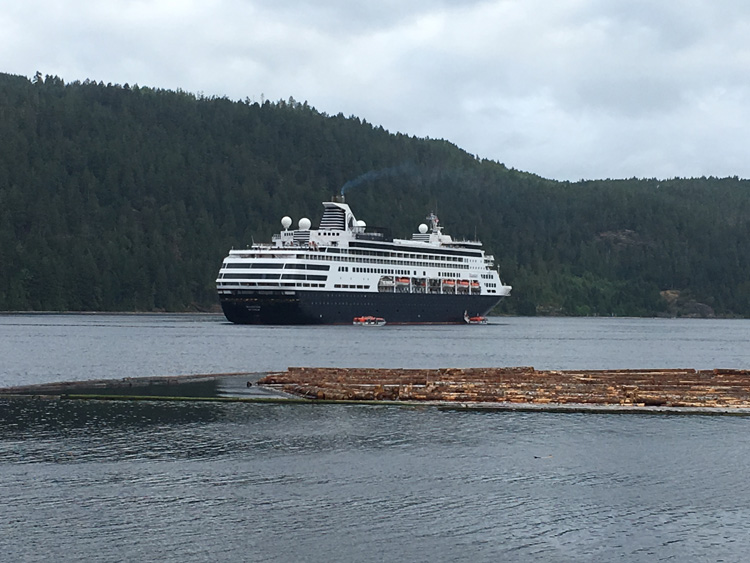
[123,313]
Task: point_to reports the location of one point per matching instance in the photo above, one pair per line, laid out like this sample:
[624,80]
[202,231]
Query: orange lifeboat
[476,320]
[368,321]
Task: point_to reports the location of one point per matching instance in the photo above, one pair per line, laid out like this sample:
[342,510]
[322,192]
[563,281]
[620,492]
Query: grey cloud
[568,89]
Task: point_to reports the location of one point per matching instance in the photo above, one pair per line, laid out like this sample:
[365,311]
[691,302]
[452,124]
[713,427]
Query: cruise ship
[345,269]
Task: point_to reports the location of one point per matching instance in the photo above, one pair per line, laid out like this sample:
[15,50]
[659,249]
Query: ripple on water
[191,482]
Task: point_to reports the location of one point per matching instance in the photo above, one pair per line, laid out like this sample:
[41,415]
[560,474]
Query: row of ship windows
[276,266]
[269,284]
[353,256]
[390,255]
[382,271]
[273,277]
[349,286]
[402,272]
[422,264]
[442,258]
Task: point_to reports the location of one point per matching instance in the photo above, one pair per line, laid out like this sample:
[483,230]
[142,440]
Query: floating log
[516,388]
[719,388]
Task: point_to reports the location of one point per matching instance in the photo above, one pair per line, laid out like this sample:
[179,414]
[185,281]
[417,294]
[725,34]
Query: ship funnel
[338,198]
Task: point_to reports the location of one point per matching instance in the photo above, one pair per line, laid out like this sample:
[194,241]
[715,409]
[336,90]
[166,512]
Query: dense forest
[127,198]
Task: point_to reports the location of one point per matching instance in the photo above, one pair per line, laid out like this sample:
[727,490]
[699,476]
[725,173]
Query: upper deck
[343,253]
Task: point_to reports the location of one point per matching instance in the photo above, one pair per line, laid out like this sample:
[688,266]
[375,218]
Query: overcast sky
[567,89]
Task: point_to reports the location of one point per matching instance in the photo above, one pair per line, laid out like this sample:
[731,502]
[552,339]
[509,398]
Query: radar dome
[286,222]
[304,224]
[361,223]
[423,228]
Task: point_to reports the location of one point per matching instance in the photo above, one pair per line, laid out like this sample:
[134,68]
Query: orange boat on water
[369,321]
[477,320]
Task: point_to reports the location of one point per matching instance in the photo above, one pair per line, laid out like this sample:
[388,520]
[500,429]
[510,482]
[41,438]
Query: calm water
[250,482]
[47,348]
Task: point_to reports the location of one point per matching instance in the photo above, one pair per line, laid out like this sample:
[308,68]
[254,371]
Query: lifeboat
[476,320]
[475,284]
[402,280]
[463,283]
[386,281]
[368,321]
[449,283]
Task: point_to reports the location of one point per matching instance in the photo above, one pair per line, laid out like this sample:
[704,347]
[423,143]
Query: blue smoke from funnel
[378,174]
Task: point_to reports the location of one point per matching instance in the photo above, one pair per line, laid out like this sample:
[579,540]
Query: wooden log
[652,387]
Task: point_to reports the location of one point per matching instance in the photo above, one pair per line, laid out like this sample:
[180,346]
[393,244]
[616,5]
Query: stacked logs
[648,387]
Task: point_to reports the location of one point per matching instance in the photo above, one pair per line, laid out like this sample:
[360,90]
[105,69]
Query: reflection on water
[185,481]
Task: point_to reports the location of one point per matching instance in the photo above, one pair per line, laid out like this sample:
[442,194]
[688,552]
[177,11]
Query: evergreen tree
[125,198]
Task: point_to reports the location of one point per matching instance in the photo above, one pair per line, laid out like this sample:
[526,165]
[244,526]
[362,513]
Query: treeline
[126,198]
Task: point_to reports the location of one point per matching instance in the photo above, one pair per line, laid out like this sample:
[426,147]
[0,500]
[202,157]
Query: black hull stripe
[330,307]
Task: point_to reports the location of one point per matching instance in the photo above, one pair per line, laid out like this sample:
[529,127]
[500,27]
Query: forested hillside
[120,198]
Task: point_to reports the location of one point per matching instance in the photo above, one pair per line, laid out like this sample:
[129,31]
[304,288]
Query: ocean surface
[95,481]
